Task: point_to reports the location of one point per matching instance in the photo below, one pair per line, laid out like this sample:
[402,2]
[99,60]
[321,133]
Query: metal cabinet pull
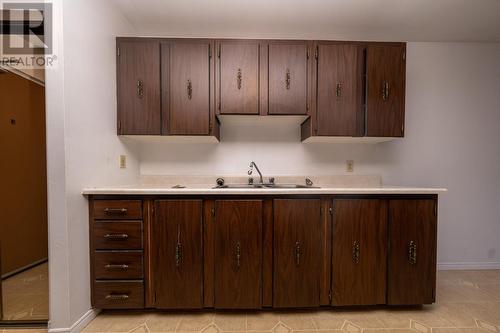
[140,88]
[111,266]
[338,90]
[117,297]
[412,252]
[237,254]
[297,253]
[355,252]
[239,78]
[178,248]
[189,89]
[287,79]
[116,236]
[115,210]
[385,90]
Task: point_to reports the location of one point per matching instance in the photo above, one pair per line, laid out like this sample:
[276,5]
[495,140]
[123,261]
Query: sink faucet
[252,165]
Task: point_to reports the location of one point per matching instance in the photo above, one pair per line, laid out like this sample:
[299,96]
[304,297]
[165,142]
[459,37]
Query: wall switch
[123,161]
[349,166]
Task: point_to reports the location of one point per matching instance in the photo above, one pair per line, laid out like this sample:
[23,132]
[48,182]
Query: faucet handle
[271,180]
[309,182]
[250,180]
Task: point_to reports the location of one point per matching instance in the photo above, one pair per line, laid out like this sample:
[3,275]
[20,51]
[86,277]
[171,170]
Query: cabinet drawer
[117,235]
[117,209]
[118,265]
[118,294]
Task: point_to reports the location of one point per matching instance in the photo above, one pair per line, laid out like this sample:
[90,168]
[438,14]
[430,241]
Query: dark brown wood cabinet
[385,96]
[288,77]
[297,252]
[412,252]
[359,252]
[238,254]
[138,87]
[339,89]
[238,76]
[178,254]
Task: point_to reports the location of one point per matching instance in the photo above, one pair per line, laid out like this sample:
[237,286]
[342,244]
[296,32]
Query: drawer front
[118,294]
[119,235]
[117,209]
[118,265]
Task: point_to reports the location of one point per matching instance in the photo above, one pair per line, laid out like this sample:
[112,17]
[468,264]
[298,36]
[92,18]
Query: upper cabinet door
[288,78]
[412,255]
[238,77]
[339,90]
[238,254]
[138,78]
[186,87]
[386,90]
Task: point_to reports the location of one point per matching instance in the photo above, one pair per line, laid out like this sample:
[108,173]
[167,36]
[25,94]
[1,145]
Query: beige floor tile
[194,322]
[492,289]
[462,293]
[388,330]
[328,320]
[298,320]
[230,321]
[25,330]
[262,321]
[468,277]
[459,330]
[116,322]
[163,322]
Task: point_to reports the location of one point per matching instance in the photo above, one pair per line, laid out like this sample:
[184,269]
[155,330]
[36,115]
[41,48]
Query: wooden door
[359,252]
[178,269]
[339,90]
[238,77]
[412,253]
[386,90]
[138,82]
[238,254]
[186,87]
[297,252]
[288,78]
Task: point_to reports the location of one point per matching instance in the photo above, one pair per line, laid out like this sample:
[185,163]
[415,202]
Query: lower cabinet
[412,253]
[297,252]
[359,252]
[238,254]
[178,254]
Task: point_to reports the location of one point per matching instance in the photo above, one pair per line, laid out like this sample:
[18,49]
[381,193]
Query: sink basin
[288,186]
[240,186]
[250,186]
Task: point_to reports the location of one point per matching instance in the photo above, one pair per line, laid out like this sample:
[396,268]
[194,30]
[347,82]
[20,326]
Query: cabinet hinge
[435,209]
[316,54]
[118,51]
[209,52]
[119,125]
[210,127]
[307,106]
[330,295]
[218,106]
[404,55]
[213,211]
[152,210]
[218,54]
[307,54]
[402,128]
[330,210]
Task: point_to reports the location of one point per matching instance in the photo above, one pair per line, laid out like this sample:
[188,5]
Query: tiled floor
[468,301]
[26,295]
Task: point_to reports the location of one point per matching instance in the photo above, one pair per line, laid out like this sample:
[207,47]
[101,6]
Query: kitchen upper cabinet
[238,254]
[412,254]
[288,77]
[186,87]
[297,252]
[178,254]
[385,96]
[237,74]
[138,87]
[339,89]
[359,252]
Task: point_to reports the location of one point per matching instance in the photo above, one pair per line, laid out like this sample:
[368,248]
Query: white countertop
[151,189]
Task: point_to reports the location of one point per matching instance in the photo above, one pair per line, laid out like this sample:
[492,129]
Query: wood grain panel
[267,253]
[326,252]
[149,288]
[238,254]
[364,282]
[208,252]
[179,257]
[297,253]
[412,282]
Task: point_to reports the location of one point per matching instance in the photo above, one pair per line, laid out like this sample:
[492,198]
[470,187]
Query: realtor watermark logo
[26,30]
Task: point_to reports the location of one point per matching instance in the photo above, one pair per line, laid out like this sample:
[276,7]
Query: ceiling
[401,20]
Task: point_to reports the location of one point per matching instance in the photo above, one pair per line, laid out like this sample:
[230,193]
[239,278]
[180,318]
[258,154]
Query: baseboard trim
[445,266]
[79,325]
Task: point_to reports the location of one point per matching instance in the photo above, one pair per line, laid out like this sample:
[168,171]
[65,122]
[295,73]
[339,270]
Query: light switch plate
[123,161]
[349,166]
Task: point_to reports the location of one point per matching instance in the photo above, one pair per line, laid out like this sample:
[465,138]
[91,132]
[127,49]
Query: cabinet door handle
[355,252]
[237,254]
[297,253]
[189,89]
[385,90]
[178,248]
[239,77]
[111,266]
[412,252]
[338,90]
[117,297]
[115,211]
[287,79]
[116,236]
[140,88]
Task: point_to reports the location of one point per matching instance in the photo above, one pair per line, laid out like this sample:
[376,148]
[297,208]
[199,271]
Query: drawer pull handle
[385,90]
[115,210]
[239,78]
[297,253]
[237,254]
[116,236]
[355,252]
[338,90]
[110,266]
[117,297]
[288,79]
[178,248]
[412,252]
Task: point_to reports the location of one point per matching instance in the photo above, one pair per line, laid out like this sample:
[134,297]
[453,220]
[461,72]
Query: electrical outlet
[349,166]
[123,161]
